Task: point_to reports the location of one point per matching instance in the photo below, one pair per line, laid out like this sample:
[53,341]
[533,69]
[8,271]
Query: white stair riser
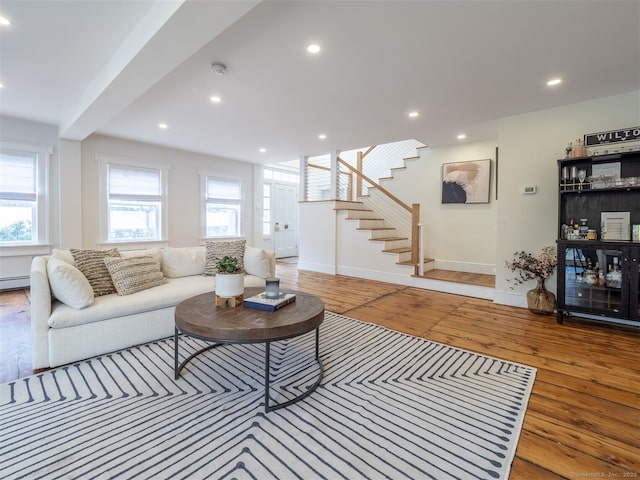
[371,223]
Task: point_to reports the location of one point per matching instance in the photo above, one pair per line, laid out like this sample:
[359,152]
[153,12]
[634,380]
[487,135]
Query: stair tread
[375,228]
[353,209]
[354,218]
[479,279]
[397,250]
[387,239]
[410,263]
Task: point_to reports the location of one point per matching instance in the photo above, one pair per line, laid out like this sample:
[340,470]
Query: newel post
[415,237]
[359,179]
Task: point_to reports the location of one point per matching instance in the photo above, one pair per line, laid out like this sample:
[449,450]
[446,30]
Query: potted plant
[229,277]
[539,300]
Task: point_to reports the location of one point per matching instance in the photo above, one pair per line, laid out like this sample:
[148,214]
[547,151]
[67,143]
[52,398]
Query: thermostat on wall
[529,190]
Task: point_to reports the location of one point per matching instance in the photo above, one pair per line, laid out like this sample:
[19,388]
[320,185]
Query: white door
[285,217]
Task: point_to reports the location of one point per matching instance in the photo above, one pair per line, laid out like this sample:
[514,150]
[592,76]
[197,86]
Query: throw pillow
[222,248]
[183,261]
[256,262]
[91,264]
[63,254]
[68,284]
[133,274]
[156,253]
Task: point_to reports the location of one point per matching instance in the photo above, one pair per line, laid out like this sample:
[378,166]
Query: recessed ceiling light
[163,126]
[215,99]
[413,114]
[1,85]
[262,150]
[313,48]
[322,136]
[4,21]
[462,136]
[553,82]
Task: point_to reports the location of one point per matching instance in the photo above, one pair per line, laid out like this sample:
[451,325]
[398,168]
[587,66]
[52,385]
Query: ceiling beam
[168,35]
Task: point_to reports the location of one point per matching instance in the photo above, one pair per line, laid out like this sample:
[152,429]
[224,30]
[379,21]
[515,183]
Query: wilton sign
[612,136]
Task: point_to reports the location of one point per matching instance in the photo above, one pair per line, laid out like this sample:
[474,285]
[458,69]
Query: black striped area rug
[390,406]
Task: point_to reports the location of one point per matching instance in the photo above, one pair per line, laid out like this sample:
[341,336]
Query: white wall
[317,235]
[530,145]
[185,203]
[458,236]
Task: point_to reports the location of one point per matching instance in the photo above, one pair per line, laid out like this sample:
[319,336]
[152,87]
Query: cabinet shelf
[592,191]
[576,257]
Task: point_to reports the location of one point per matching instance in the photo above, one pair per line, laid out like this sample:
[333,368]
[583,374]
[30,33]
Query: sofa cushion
[256,262]
[68,284]
[91,264]
[216,249]
[134,274]
[183,262]
[163,296]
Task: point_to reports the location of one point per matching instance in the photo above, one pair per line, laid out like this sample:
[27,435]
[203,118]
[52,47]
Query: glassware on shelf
[582,175]
[574,176]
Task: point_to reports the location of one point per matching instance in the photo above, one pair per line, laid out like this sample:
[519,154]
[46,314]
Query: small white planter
[229,285]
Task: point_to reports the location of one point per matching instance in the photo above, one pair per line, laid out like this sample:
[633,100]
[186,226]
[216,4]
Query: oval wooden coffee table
[199,317]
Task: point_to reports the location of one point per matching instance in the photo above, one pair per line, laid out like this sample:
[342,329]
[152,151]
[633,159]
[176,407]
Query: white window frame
[41,226]
[269,185]
[104,163]
[204,177]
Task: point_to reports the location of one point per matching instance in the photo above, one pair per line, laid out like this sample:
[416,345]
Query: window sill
[142,245]
[24,250]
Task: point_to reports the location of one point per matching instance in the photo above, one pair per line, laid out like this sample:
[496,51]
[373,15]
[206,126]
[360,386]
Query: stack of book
[261,302]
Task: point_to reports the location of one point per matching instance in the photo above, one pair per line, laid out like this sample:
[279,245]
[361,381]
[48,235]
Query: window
[23,195]
[223,199]
[135,203]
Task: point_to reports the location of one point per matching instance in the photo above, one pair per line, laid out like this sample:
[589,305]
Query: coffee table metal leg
[175,353]
[178,367]
[267,363]
[267,396]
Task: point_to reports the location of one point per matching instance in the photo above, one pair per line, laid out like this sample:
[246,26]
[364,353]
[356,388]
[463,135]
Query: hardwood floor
[584,412]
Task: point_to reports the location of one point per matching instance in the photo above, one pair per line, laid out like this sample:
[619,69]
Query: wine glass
[582,175]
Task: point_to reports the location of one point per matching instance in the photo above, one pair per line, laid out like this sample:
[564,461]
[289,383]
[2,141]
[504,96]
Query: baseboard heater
[12,283]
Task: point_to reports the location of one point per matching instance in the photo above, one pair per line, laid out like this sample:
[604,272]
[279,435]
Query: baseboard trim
[511,299]
[474,291]
[13,283]
[317,267]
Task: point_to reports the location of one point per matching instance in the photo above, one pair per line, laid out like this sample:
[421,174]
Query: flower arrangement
[530,267]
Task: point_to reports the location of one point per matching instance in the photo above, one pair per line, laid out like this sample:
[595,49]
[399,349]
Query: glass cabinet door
[594,280]
[635,280]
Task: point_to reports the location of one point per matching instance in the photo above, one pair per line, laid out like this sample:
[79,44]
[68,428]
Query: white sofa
[62,334]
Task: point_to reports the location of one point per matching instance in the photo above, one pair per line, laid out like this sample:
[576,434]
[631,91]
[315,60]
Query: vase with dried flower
[539,300]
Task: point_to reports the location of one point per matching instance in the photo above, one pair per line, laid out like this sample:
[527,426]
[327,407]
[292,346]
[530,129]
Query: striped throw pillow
[134,274]
[222,248]
[91,264]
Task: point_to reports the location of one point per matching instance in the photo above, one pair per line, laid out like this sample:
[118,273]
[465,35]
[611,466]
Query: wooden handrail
[375,185]
[368,151]
[320,167]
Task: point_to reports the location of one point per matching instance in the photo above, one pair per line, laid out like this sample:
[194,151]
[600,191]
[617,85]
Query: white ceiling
[119,67]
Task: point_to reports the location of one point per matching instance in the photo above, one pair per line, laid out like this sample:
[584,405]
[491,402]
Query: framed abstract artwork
[466,182]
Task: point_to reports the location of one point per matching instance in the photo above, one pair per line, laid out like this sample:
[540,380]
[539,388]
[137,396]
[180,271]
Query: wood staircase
[380,231]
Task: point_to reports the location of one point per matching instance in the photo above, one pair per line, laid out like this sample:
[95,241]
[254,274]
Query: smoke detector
[218,68]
